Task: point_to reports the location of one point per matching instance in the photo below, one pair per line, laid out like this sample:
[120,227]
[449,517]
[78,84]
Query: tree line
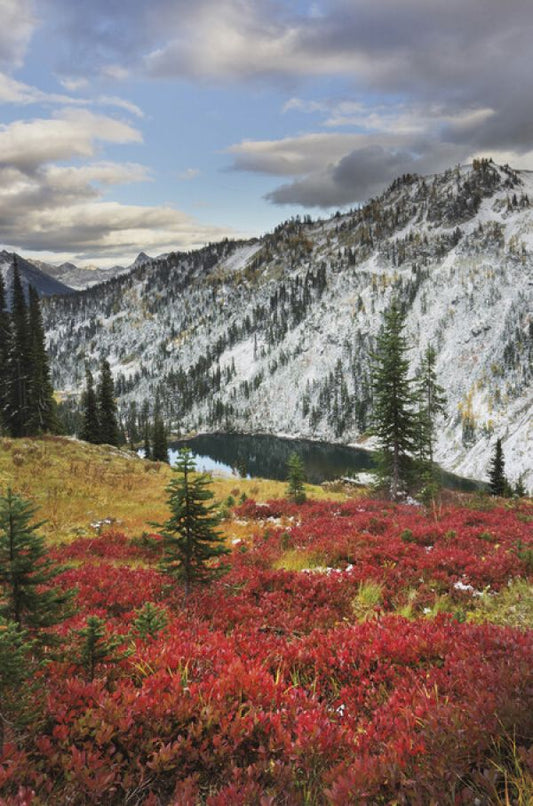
[27,405]
[100,424]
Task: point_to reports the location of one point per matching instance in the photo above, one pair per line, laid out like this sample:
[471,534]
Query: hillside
[275,334]
[30,274]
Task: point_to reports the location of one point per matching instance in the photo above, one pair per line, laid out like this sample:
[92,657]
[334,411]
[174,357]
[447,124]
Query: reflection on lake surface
[266,456]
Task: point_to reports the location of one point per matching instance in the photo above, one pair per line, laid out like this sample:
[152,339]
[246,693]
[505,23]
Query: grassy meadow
[76,486]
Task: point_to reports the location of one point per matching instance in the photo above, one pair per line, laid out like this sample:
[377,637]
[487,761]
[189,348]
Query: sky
[159,125]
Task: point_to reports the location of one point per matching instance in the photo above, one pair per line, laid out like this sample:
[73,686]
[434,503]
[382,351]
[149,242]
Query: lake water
[266,456]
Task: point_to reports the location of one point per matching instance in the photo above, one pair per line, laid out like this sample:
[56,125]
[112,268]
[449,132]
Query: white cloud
[190,173]
[334,169]
[46,206]
[65,178]
[17,23]
[71,133]
[16,92]
[74,84]
[401,118]
[293,156]
[115,72]
[96,230]
[120,103]
[240,40]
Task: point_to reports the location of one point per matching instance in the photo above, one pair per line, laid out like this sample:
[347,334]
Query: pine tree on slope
[90,430]
[296,479]
[431,404]
[159,438]
[497,481]
[132,429]
[107,407]
[5,340]
[42,408]
[26,573]
[190,539]
[16,669]
[19,362]
[393,417]
[144,422]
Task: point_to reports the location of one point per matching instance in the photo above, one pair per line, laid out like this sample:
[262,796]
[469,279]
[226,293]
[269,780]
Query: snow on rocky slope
[274,335]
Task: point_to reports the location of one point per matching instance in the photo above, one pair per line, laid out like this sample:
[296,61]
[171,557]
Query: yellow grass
[298,560]
[75,484]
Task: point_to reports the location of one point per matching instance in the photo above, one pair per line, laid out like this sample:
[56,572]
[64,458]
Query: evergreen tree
[5,341]
[150,620]
[145,427]
[296,479]
[96,647]
[15,669]
[159,437]
[497,481]
[132,429]
[393,418]
[90,430]
[431,404]
[190,540]
[27,403]
[519,489]
[42,409]
[147,445]
[26,572]
[107,407]
[19,361]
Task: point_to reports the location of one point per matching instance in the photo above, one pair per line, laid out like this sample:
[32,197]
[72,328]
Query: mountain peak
[142,257]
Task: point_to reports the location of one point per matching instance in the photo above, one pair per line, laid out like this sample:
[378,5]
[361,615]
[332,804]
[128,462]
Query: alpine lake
[266,456]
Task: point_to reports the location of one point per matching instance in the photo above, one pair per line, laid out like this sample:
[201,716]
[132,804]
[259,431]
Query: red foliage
[112,590]
[267,690]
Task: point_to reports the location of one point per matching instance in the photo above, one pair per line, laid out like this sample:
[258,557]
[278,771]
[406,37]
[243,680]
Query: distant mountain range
[67,276]
[275,334]
[44,282]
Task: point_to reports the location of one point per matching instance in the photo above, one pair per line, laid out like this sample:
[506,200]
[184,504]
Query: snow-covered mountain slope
[44,284]
[274,335]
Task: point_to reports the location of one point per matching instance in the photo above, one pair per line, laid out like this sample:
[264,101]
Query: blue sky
[152,125]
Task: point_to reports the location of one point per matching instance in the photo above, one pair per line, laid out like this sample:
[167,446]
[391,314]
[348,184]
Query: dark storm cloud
[361,173]
[358,176]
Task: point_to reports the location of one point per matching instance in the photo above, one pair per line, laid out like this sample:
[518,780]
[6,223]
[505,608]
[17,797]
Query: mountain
[275,334]
[30,274]
[79,278]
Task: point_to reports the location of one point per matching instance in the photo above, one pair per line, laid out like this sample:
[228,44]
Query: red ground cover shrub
[267,690]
